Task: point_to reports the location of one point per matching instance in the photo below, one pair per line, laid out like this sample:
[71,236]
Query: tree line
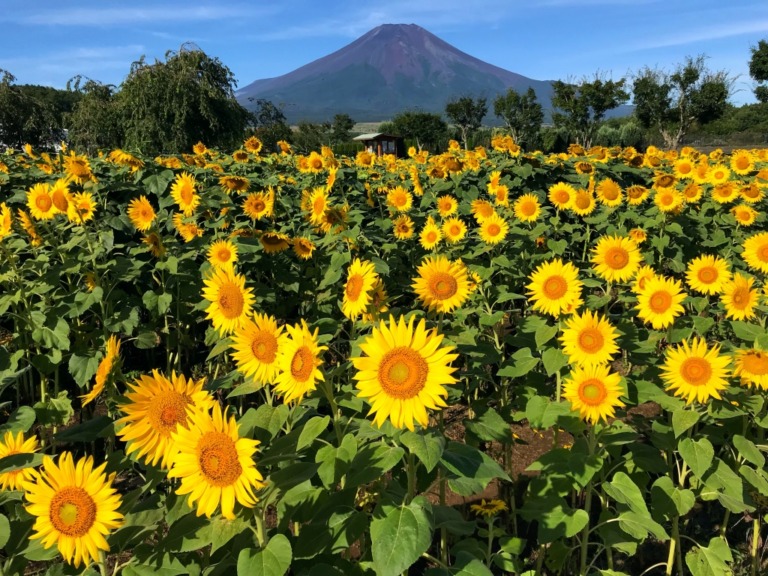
[169,105]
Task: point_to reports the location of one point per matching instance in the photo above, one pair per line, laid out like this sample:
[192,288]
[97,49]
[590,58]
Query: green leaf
[671,500]
[399,539]
[466,463]
[427,446]
[711,560]
[544,334]
[272,560]
[555,518]
[639,526]
[522,363]
[5,531]
[756,478]
[20,420]
[223,530]
[623,489]
[334,462]
[372,462]
[683,419]
[54,411]
[88,431]
[83,368]
[311,429]
[489,426]
[264,422]
[746,331]
[698,454]
[20,461]
[554,360]
[748,450]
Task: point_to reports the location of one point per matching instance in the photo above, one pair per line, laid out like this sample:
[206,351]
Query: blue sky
[48,42]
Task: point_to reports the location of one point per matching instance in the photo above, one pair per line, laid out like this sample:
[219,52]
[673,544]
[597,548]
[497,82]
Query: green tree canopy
[269,124]
[341,128]
[426,128]
[579,108]
[758,69]
[25,118]
[672,102]
[467,114]
[95,121]
[522,115]
[171,105]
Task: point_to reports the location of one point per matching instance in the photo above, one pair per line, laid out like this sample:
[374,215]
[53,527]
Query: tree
[579,108]
[310,136]
[467,114]
[169,106]
[672,102]
[95,121]
[429,130]
[522,115]
[758,69]
[341,128]
[269,124]
[23,118]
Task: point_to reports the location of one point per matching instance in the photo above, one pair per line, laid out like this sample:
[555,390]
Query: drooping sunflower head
[141,213]
[441,285]
[155,244]
[636,194]
[527,208]
[104,369]
[707,274]
[255,346]
[274,242]
[303,247]
[616,258]
[554,287]
[10,445]
[299,362]
[230,301]
[403,371]
[696,372]
[638,235]
[490,508]
[594,392]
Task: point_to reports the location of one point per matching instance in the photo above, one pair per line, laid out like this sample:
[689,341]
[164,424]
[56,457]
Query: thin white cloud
[706,34]
[97,16]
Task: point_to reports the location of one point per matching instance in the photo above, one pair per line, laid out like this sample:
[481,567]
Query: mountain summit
[391,69]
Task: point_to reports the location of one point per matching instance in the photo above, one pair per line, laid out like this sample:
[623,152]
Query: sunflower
[222,254]
[742,162]
[240,156]
[298,362]
[583,203]
[561,195]
[155,244]
[594,392]
[739,298]
[108,362]
[379,302]
[315,163]
[230,301]
[441,284]
[40,202]
[707,274]
[659,301]
[589,339]
[751,193]
[200,148]
[609,192]
[81,208]
[361,278]
[430,235]
[403,227]
[637,194]
[493,229]
[141,213]
[664,180]
[454,229]
[668,199]
[403,372]
[215,465]
[399,199]
[755,252]
[554,287]
[303,247]
[156,407]
[274,242]
[447,205]
[718,174]
[751,366]
[725,192]
[695,372]
[60,195]
[183,193]
[318,205]
[638,235]
[500,195]
[482,209]
[259,205]
[490,508]
[6,220]
[616,258]
[10,446]
[527,208]
[253,145]
[255,346]
[74,506]
[683,168]
[78,168]
[692,193]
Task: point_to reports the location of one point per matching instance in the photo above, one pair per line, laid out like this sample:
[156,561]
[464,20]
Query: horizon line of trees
[168,106]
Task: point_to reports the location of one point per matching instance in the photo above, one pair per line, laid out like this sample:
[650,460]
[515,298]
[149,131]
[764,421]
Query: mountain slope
[392,68]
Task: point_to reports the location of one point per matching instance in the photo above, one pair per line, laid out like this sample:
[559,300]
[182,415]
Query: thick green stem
[489,549]
[585,532]
[411,473]
[672,546]
[755,543]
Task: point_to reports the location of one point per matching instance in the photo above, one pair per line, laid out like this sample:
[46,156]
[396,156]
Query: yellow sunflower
[303,247]
[141,213]
[718,174]
[751,193]
[683,168]
[298,362]
[430,235]
[725,192]
[454,229]
[403,227]
[10,446]
[692,193]
[222,254]
[755,252]
[274,242]
[361,278]
[318,205]
[695,372]
[215,464]
[609,192]
[594,392]
[253,145]
[184,194]
[255,346]
[659,301]
[589,339]
[259,205]
[403,371]
[40,203]
[156,407]
[442,285]
[230,301]
[751,366]
[81,208]
[447,205]
[493,229]
[482,209]
[668,199]
[490,508]
[739,298]
[561,195]
[638,235]
[742,162]
[60,195]
[745,215]
[75,507]
[583,203]
[707,274]
[231,183]
[6,220]
[616,258]
[637,194]
[554,287]
[78,168]
[107,364]
[399,199]
[527,208]
[155,244]
[187,230]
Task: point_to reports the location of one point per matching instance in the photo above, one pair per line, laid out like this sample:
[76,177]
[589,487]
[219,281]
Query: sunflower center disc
[494,229]
[60,201]
[582,201]
[617,258]
[259,206]
[43,202]
[167,411]
[591,340]
[562,197]
[302,364]
[555,287]
[755,363]
[230,301]
[660,302]
[592,392]
[403,373]
[740,297]
[707,275]
[186,194]
[264,348]
[218,459]
[696,371]
[443,286]
[224,255]
[762,253]
[528,209]
[354,287]
[431,236]
[73,511]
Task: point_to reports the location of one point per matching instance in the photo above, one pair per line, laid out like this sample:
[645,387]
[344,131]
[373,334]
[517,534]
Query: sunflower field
[469,363]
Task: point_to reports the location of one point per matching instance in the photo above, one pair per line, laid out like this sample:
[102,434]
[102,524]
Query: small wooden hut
[381,143]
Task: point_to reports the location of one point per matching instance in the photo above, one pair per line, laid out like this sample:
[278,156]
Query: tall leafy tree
[427,129]
[673,102]
[580,108]
[169,106]
[24,119]
[95,121]
[269,124]
[522,115]
[341,128]
[758,69]
[467,114]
